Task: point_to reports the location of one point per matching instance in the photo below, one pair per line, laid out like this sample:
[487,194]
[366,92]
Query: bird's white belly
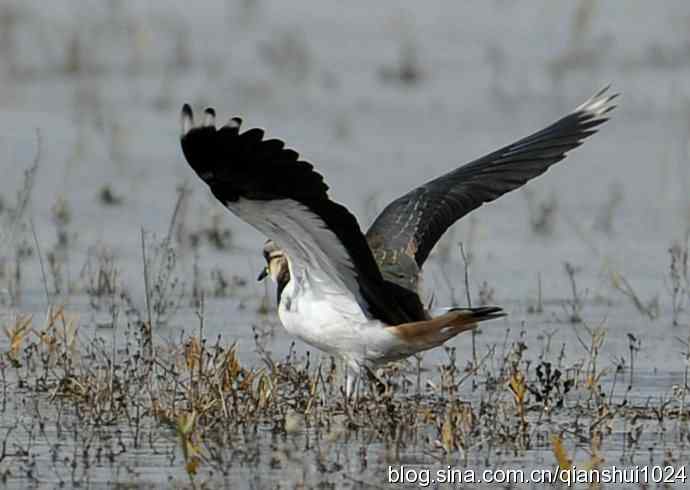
[333,323]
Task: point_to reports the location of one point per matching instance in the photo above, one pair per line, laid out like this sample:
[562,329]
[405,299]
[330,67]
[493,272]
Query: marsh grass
[15,247]
[678,284]
[195,401]
[649,308]
[574,305]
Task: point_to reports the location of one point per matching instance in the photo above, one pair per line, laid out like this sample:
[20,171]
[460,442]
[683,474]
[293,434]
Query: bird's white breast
[328,319]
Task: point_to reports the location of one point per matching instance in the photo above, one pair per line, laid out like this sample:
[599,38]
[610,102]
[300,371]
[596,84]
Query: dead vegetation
[105,385]
[118,388]
[197,403]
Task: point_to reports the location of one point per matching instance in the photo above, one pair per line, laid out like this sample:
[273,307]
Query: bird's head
[276,263]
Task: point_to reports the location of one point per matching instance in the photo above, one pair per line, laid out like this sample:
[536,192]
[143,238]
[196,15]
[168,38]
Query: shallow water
[103,89]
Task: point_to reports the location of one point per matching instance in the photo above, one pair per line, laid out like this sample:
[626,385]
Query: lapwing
[353,295]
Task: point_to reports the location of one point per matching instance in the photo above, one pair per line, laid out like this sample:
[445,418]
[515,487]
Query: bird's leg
[354,371]
[378,385]
[351,382]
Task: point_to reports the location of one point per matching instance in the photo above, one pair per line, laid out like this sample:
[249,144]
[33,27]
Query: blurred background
[380,98]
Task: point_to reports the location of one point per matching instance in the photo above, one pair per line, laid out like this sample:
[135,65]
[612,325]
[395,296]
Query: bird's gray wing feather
[405,232]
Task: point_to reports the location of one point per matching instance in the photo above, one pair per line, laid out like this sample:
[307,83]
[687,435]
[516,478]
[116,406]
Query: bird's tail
[469,316]
[431,333]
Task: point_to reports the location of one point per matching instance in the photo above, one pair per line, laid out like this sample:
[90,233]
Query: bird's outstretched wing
[405,232]
[269,187]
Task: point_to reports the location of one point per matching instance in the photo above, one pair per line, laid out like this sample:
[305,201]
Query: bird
[353,295]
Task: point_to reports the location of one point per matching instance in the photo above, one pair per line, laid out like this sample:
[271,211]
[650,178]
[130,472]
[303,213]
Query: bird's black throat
[281,281]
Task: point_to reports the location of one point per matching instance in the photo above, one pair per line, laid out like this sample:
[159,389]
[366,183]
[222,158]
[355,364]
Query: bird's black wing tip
[209,120]
[186,119]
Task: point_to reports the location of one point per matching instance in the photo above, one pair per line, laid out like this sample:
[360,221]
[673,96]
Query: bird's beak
[263,274]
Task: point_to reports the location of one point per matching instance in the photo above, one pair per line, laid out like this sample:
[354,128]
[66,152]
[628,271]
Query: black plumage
[235,165]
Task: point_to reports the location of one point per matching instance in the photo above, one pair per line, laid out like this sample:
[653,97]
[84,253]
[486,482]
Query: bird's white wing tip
[599,104]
